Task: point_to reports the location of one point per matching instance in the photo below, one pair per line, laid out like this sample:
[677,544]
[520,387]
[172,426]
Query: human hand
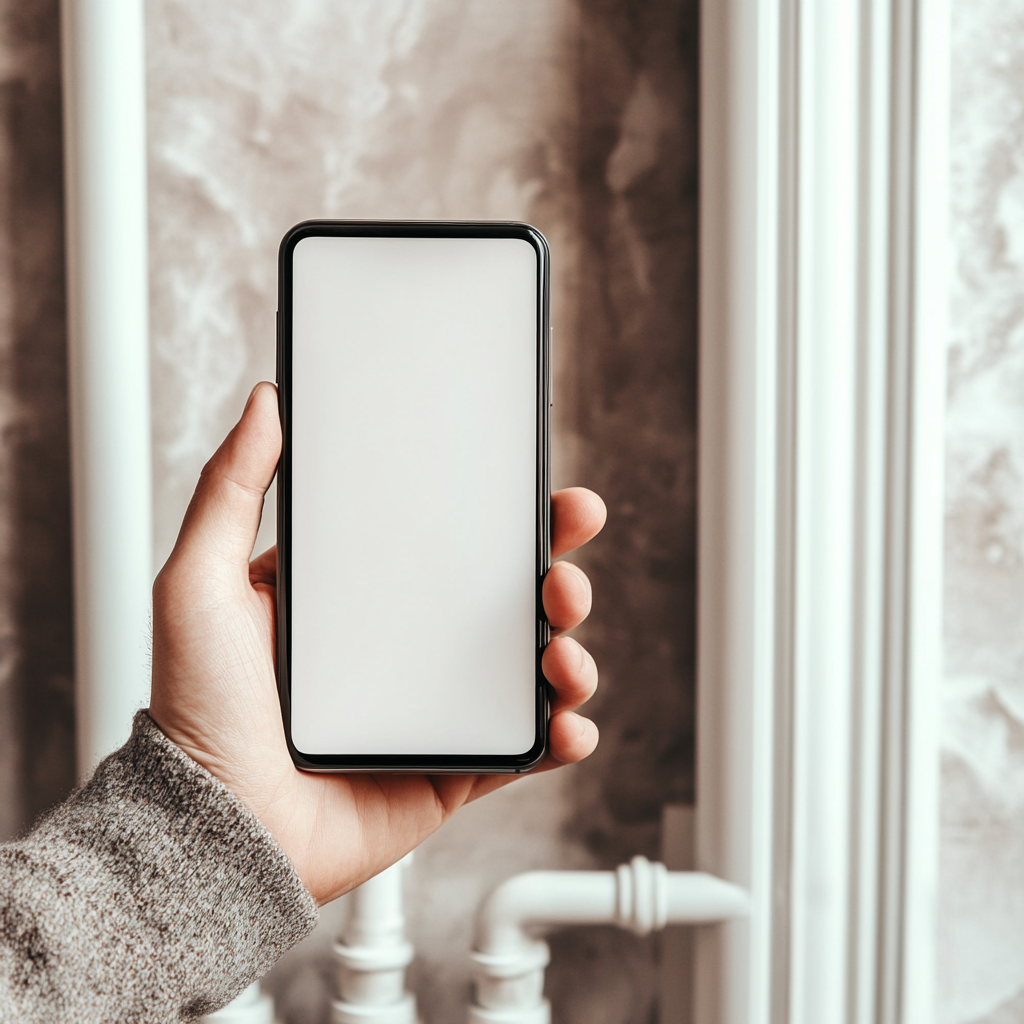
[214,689]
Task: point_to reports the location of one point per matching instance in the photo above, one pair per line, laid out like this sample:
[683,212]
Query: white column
[823,214]
[108,362]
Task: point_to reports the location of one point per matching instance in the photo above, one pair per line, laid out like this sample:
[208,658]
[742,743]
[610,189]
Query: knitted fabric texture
[152,894]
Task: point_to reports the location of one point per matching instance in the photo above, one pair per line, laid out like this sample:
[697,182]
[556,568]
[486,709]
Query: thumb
[224,514]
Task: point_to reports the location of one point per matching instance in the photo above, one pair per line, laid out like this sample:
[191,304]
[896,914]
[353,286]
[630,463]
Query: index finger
[577,515]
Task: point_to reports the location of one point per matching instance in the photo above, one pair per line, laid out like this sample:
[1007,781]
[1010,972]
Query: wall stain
[632,401]
[37,574]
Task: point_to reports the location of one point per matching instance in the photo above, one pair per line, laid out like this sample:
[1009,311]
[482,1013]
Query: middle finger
[571,671]
[567,596]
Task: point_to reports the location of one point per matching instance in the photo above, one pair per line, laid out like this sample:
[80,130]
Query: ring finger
[567,596]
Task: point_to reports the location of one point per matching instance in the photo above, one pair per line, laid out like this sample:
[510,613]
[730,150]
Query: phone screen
[414,415]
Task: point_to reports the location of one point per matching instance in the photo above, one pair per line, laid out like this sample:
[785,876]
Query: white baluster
[643,897]
[373,954]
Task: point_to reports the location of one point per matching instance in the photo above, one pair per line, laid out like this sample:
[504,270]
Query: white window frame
[824,171]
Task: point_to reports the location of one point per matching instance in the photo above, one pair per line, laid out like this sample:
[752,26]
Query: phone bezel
[481,763]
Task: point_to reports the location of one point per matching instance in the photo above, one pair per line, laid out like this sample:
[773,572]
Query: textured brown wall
[631,394]
[631,410]
[37,753]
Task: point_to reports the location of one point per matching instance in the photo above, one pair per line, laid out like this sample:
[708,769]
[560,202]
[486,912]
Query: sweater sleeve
[152,894]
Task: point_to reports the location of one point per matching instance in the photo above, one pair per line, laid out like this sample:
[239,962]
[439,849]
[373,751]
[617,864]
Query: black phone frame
[425,763]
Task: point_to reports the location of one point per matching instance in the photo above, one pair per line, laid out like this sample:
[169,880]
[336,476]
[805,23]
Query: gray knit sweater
[150,895]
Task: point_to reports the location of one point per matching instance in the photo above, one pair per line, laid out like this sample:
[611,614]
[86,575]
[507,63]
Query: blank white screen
[413,507]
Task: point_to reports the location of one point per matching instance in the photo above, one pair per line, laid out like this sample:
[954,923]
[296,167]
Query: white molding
[925,519]
[822,354]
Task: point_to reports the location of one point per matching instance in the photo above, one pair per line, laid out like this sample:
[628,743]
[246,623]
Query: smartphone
[413,495]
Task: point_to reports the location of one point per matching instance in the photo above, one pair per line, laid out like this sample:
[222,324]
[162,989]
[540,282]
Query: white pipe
[373,954]
[103,46]
[640,896]
[251,1007]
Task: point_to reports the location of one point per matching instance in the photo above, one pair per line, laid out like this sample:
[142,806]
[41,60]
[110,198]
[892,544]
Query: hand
[215,691]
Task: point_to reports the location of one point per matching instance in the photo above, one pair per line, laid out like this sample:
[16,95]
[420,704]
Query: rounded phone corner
[536,761]
[297,232]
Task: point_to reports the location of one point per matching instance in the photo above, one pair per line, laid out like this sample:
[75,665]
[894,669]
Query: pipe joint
[373,953]
[641,899]
[374,958]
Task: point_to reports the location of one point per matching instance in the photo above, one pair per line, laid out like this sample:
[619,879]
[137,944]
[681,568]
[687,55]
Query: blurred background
[580,117]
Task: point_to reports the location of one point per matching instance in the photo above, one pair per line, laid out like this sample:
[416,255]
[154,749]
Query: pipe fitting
[641,904]
[509,980]
[639,896]
[373,954]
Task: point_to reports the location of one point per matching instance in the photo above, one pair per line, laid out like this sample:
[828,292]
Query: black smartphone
[413,495]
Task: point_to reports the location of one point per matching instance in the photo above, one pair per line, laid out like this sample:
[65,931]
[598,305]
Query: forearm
[151,894]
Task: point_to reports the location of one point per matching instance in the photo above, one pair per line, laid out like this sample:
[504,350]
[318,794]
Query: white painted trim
[739,157]
[104,79]
[823,216]
[926,484]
